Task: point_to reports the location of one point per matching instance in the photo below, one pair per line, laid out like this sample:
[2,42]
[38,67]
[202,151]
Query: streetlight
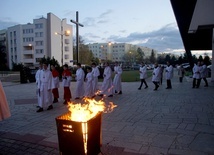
[63,33]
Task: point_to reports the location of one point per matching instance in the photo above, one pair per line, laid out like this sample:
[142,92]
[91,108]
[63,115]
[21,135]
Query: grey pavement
[167,121]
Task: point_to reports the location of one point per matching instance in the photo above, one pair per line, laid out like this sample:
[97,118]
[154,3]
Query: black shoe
[139,88]
[110,96]
[55,100]
[101,95]
[155,89]
[120,92]
[40,110]
[77,98]
[93,96]
[50,107]
[146,87]
[38,106]
[115,92]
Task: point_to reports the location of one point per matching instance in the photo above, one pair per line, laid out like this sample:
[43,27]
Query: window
[38,59]
[39,51]
[39,26]
[39,43]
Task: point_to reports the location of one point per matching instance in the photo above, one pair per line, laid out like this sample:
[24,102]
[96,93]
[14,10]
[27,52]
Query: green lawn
[131,76]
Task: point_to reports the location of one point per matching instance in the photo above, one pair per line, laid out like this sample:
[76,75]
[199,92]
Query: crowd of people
[47,81]
[87,85]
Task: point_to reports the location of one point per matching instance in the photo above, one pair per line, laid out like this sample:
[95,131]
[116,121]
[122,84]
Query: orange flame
[88,110]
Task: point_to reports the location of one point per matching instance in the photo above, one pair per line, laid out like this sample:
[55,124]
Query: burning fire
[84,112]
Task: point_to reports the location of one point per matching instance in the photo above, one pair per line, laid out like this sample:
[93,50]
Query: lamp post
[66,33]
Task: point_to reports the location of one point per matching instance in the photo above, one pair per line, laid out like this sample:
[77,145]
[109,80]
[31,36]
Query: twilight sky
[149,23]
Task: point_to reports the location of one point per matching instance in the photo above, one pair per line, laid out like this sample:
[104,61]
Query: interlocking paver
[176,121]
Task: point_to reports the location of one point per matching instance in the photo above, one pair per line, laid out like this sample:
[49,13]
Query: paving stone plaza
[167,121]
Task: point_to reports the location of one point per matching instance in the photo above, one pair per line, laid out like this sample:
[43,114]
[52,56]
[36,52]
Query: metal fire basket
[72,140]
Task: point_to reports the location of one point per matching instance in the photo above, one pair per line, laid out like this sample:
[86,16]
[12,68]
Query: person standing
[117,78]
[45,86]
[55,83]
[80,75]
[196,75]
[37,76]
[89,83]
[156,76]
[95,73]
[169,75]
[204,73]
[181,72]
[161,67]
[106,88]
[66,80]
[4,108]
[143,75]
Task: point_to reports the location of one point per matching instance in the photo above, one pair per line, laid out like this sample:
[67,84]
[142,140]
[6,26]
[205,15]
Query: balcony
[28,60]
[27,52]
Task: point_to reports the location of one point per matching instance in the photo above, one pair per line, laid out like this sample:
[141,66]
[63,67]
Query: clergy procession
[47,81]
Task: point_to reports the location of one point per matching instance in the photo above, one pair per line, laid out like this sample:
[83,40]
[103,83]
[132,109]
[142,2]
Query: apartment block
[49,37]
[115,51]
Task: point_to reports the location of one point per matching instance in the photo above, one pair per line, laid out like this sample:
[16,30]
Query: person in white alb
[106,88]
[89,85]
[196,75]
[95,73]
[37,81]
[55,83]
[117,79]
[45,87]
[204,73]
[169,75]
[80,75]
[66,81]
[156,76]
[143,75]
